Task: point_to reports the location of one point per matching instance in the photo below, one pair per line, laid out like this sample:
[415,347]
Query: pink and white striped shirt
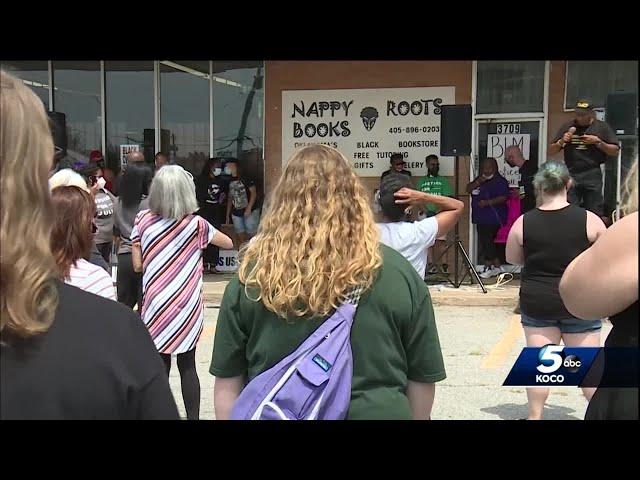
[172,305]
[91,278]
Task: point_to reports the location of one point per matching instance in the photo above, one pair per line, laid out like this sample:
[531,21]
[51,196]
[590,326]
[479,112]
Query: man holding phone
[586,142]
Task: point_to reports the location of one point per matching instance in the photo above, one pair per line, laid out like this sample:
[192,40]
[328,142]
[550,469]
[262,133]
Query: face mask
[227,171]
[488,177]
[101,183]
[216,171]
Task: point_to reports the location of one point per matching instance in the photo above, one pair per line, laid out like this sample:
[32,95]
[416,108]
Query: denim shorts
[247,224]
[567,325]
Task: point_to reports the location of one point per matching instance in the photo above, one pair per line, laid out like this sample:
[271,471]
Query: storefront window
[238,114]
[510,87]
[77,95]
[35,74]
[595,80]
[184,112]
[129,109]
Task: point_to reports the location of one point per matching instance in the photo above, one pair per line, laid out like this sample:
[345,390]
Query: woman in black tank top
[545,241]
[603,281]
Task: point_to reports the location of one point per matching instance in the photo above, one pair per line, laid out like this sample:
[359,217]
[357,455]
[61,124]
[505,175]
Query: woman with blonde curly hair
[603,282]
[316,244]
[64,353]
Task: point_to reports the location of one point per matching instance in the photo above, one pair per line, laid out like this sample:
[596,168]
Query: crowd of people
[73,346]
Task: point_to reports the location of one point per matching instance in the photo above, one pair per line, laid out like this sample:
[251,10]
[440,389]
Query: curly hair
[317,240]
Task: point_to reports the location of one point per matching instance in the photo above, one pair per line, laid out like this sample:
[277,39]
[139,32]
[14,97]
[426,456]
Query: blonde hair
[28,294]
[68,178]
[630,190]
[317,241]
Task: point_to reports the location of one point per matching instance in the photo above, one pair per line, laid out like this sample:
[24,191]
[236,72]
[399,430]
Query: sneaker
[490,272]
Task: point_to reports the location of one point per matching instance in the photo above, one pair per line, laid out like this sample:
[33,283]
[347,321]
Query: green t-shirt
[394,339]
[437,185]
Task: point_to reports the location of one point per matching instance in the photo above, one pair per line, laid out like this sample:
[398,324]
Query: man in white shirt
[412,239]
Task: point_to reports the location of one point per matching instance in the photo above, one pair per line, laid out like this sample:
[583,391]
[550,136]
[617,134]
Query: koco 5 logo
[550,359]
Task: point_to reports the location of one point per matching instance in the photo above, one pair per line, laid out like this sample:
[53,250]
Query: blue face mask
[227,171]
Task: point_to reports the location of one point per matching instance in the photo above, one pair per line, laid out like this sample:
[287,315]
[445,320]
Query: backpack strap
[353,297]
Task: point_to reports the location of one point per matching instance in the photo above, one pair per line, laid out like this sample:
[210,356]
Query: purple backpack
[312,383]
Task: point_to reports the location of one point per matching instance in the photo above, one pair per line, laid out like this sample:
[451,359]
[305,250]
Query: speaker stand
[618,181]
[458,276]
[460,254]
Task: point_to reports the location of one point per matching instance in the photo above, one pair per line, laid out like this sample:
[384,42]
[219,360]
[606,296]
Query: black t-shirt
[552,239]
[212,198]
[527,172]
[239,195]
[580,157]
[211,191]
[97,361]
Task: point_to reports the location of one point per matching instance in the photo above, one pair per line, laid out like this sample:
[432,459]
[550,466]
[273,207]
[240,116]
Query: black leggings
[486,246]
[189,381]
[215,216]
[129,282]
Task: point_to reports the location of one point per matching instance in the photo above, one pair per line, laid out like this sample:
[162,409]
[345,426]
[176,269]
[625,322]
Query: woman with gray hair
[168,241]
[545,241]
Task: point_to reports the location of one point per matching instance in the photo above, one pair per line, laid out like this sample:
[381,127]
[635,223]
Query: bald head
[514,156]
[135,157]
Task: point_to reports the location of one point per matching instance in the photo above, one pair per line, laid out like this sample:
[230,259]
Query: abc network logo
[550,359]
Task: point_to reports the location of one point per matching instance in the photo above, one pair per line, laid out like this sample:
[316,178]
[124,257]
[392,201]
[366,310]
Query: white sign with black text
[497,145]
[368,125]
[228,261]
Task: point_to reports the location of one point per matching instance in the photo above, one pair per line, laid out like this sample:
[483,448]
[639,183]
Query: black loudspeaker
[455,130]
[58,123]
[622,112]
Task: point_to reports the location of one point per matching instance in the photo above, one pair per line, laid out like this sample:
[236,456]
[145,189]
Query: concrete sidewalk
[479,347]
[441,295]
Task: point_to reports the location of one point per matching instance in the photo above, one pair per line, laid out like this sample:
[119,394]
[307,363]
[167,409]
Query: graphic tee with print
[105,209]
[239,195]
[435,185]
